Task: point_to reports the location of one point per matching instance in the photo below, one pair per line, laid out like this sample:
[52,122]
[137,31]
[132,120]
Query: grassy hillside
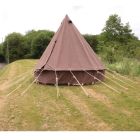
[36,107]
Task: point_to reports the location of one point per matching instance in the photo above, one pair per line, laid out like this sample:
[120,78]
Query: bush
[137,53]
[111,52]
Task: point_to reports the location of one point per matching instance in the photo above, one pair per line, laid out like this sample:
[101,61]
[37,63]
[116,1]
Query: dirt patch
[127,113]
[2,102]
[9,76]
[45,126]
[100,97]
[90,119]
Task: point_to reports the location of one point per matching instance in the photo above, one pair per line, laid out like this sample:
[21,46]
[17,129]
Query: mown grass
[40,109]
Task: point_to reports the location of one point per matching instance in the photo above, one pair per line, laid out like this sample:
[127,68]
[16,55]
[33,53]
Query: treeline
[115,42]
[31,45]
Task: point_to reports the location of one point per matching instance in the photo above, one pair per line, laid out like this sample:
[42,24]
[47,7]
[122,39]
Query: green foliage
[127,66]
[35,42]
[117,43]
[111,52]
[28,38]
[132,49]
[92,40]
[40,42]
[14,46]
[114,30]
[2,58]
[31,45]
[137,53]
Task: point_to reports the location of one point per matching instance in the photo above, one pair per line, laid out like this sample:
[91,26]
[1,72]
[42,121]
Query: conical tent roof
[68,50]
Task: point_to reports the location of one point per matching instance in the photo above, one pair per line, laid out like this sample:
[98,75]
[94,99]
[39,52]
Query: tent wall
[66,78]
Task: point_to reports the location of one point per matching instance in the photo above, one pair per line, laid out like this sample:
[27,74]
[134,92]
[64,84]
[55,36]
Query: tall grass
[127,66]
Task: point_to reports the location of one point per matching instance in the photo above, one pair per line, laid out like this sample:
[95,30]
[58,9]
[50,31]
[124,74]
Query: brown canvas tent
[68,55]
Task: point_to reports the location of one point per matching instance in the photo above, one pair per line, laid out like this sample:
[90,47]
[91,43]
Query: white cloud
[88,15]
[77,7]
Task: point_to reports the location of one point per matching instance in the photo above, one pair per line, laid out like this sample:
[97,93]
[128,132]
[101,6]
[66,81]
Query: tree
[14,46]
[40,42]
[2,58]
[92,40]
[28,38]
[115,30]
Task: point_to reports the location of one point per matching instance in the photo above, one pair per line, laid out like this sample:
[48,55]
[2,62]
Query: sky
[89,16]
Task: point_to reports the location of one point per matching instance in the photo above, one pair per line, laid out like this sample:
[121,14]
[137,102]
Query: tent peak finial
[68,19]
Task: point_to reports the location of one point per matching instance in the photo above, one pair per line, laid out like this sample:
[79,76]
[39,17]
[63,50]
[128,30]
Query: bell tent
[69,59]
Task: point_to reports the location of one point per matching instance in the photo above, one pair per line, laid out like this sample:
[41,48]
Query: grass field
[38,108]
